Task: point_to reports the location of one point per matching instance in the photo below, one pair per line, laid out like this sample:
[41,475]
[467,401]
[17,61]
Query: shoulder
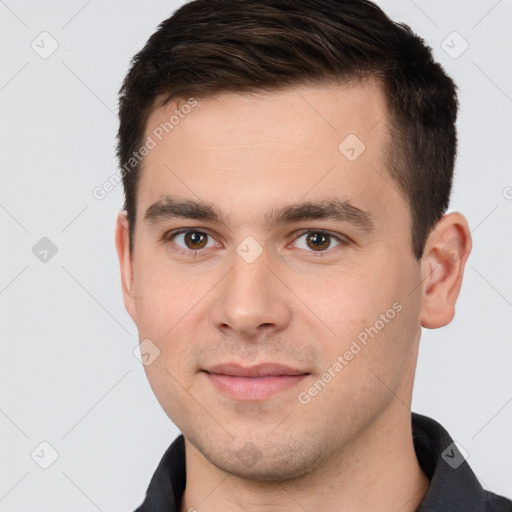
[496,503]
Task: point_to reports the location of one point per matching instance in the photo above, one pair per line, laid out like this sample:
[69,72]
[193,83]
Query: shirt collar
[453,485]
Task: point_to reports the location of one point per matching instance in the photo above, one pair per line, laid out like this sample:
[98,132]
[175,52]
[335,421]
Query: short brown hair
[208,47]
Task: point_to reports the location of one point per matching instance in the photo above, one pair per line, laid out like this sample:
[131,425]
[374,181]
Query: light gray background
[68,374]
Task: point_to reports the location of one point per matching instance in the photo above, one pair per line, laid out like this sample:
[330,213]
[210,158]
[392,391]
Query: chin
[269,471]
[263,461]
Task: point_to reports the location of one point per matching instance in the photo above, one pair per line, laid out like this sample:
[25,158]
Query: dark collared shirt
[453,485]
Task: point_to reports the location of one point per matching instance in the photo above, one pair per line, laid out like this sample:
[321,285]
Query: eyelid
[343,239]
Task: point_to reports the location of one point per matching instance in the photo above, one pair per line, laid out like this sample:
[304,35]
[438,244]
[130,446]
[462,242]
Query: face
[273,271]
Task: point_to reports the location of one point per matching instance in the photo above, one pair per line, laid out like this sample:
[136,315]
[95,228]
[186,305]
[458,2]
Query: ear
[442,267]
[125,262]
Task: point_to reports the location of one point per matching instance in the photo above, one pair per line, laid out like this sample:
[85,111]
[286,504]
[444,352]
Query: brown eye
[195,239]
[189,240]
[318,241]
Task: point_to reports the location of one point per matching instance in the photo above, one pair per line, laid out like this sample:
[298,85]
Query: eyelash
[169,236]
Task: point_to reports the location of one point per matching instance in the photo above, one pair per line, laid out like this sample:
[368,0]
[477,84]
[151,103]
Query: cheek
[164,297]
[371,305]
[347,297]
[171,390]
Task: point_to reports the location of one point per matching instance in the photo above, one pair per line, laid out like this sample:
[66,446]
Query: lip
[255,382]
[259,370]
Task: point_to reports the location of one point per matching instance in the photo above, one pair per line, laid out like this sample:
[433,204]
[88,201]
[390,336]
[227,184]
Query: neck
[379,471]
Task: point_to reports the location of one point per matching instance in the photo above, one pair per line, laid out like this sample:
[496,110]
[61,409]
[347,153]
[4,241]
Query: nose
[251,300]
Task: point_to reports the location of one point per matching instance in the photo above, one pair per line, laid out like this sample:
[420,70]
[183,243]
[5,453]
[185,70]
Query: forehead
[243,149]
[290,116]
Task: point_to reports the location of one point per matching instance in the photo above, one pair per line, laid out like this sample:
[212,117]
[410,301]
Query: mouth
[255,382]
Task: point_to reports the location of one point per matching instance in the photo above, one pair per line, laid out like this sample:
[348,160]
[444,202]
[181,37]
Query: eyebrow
[171,207]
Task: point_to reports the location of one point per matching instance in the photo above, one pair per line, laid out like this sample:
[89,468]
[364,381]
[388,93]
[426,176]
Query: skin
[295,304]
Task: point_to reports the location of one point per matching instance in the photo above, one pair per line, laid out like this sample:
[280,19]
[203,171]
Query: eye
[319,241]
[193,241]
[190,240]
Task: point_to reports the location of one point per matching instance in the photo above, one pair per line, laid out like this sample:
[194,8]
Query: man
[287,167]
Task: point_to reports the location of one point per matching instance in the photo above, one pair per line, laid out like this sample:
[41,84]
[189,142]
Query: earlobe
[444,259]
[125,262]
